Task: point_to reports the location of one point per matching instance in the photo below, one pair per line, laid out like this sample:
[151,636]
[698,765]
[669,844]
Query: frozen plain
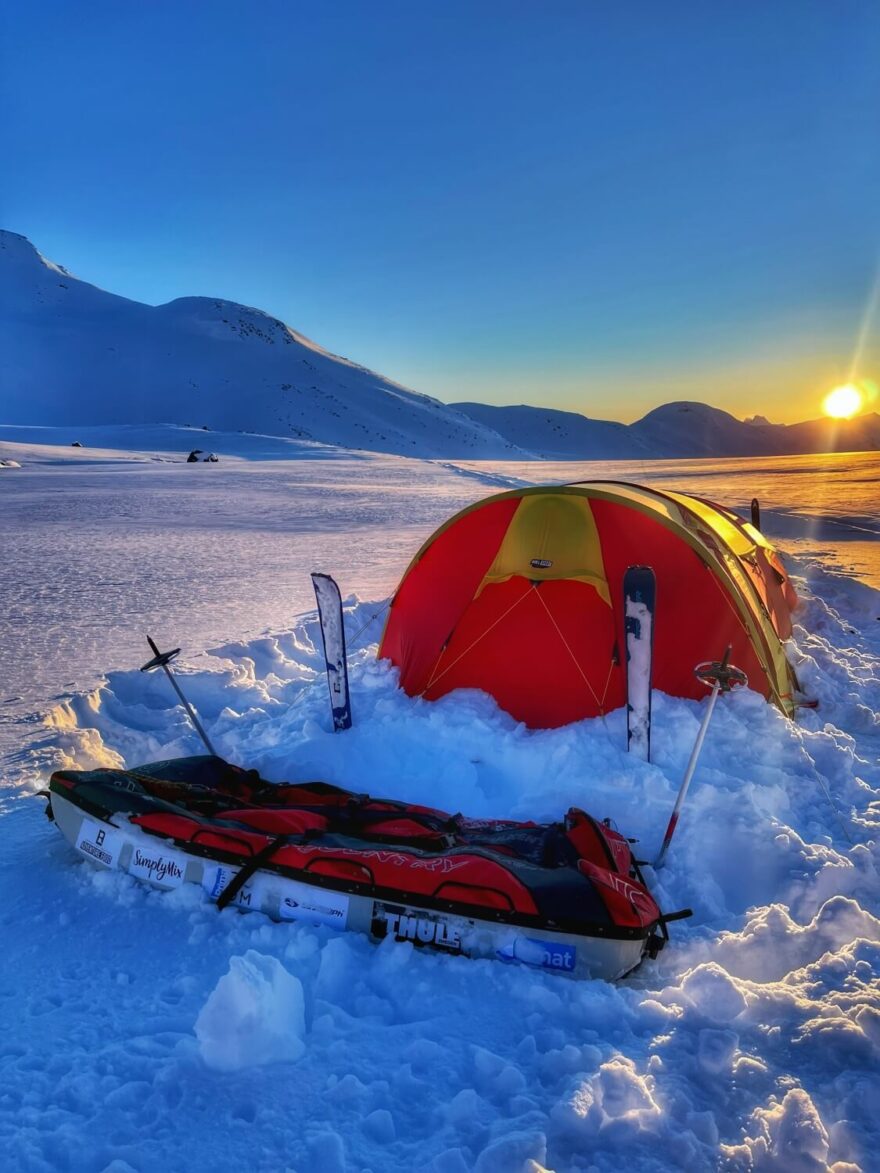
[142,1029]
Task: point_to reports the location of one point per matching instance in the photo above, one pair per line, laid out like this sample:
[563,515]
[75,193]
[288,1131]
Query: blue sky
[594,206]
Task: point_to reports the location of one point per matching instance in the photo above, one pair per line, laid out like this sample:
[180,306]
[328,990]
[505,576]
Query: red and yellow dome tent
[521,595]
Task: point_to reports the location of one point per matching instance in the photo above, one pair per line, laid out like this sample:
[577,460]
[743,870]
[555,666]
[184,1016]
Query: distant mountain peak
[684,428]
[71,353]
[17,249]
[689,407]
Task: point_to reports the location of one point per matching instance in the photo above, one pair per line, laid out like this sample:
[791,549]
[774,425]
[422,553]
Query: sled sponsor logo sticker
[162,867]
[99,842]
[295,901]
[216,879]
[317,906]
[421,928]
[540,954]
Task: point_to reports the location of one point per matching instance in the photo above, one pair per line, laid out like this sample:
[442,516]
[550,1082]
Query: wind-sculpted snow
[150,1030]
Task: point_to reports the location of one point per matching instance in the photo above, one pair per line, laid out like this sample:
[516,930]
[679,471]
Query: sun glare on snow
[843,402]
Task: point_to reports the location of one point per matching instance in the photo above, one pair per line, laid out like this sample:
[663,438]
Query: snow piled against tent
[144,1028]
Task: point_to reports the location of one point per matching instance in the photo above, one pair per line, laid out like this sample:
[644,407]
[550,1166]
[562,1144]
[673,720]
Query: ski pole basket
[727,676]
[160,659]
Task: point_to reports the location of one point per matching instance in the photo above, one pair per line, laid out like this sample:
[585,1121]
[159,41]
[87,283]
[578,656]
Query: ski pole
[723,677]
[163,660]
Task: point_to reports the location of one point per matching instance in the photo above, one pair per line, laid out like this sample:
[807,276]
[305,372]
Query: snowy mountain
[673,430]
[558,435]
[71,353]
[695,429]
[74,355]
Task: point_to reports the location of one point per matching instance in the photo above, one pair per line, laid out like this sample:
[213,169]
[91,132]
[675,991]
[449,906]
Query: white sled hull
[124,847]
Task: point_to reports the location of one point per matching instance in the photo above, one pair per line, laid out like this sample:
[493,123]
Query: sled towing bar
[163,660]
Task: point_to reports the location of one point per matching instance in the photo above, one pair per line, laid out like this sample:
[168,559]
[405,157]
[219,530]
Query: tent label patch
[541,563]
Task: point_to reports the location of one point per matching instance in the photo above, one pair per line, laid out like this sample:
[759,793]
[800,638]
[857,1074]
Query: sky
[596,207]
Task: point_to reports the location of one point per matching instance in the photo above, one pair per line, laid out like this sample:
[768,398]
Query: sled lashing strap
[247,870]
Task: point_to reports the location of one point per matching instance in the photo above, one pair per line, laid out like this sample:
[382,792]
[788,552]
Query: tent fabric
[521,595]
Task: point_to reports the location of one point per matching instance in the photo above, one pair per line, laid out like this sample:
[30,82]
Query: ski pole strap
[248,869]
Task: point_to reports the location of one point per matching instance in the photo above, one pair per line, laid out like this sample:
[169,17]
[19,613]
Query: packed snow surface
[144,1029]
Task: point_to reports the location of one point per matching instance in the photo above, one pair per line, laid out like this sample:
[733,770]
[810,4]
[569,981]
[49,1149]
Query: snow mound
[253,1016]
[789,1135]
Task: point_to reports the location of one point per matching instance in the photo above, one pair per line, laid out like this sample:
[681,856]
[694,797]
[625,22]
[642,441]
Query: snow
[254,1015]
[145,1028]
[158,443]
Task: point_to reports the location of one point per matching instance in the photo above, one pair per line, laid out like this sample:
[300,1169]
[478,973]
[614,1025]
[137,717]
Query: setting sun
[843,402]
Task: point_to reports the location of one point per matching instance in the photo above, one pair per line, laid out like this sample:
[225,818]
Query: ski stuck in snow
[639,603]
[333,639]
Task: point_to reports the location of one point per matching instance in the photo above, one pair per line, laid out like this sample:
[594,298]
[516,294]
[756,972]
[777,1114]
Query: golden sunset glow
[843,402]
